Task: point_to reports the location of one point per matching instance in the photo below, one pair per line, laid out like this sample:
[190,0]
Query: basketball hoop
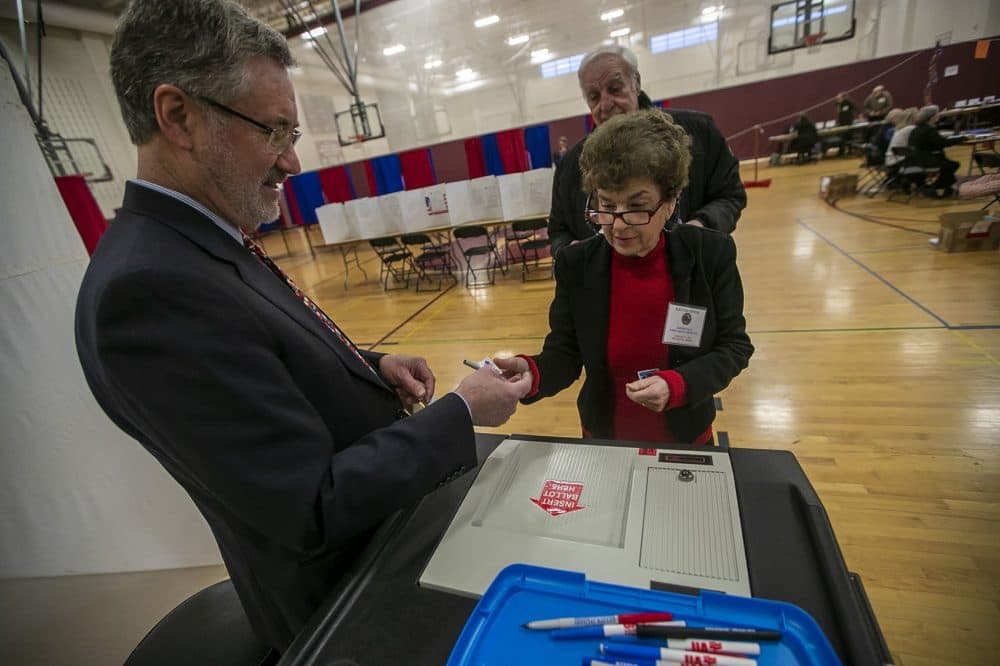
[813,42]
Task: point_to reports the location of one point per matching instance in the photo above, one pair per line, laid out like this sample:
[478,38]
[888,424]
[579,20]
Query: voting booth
[425,208]
[363,215]
[335,224]
[622,515]
[524,194]
[474,200]
[390,214]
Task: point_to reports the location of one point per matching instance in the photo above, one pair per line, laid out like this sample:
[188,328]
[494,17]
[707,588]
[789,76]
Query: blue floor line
[874,274]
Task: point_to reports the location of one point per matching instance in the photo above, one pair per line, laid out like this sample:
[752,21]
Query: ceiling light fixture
[621,32]
[465,74]
[612,15]
[314,33]
[432,63]
[541,55]
[489,20]
[393,50]
[519,39]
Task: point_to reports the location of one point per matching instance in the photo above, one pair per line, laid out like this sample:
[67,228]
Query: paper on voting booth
[334,223]
[363,215]
[390,210]
[474,200]
[511,195]
[426,208]
[538,191]
[459,202]
[485,201]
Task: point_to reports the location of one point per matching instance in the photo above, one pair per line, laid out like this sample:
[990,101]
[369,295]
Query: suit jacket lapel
[597,300]
[204,233]
[681,259]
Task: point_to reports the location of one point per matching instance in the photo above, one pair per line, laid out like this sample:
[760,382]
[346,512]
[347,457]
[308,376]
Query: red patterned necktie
[259,252]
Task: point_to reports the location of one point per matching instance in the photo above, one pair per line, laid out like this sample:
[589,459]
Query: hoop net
[813,42]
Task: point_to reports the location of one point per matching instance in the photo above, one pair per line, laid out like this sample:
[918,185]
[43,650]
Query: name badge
[684,325]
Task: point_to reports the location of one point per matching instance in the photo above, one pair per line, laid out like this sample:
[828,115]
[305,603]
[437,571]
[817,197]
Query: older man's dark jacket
[714,194]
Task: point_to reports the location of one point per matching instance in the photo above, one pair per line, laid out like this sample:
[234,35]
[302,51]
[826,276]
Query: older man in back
[611,84]
[293,442]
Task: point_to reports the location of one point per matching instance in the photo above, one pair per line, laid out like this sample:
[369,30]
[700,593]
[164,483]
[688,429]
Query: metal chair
[476,242]
[429,259]
[986,160]
[910,176]
[531,241]
[394,261]
[511,237]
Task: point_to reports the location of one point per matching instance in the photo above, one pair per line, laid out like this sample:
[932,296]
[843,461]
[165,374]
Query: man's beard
[241,193]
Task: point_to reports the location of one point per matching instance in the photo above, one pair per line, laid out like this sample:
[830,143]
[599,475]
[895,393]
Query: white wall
[76,494]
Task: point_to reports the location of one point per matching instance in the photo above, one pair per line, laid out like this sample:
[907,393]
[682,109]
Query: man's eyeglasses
[633,218]
[279,139]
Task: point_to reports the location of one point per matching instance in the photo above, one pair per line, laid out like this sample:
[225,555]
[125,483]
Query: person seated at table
[928,151]
[654,315]
[806,137]
[904,124]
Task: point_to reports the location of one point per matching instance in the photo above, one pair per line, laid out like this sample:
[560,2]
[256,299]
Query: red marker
[700,645]
[635,651]
[623,618]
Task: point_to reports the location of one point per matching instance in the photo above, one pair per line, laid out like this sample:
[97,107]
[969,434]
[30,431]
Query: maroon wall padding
[359,178]
[573,129]
[450,164]
[738,108]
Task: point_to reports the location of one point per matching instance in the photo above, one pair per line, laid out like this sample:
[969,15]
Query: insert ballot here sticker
[559,497]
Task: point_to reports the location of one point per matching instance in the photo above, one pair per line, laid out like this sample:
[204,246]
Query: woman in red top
[654,316]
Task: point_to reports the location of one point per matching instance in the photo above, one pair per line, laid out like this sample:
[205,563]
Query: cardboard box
[969,230]
[838,186]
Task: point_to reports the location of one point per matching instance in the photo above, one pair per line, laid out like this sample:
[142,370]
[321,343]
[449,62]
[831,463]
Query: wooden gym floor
[877,364]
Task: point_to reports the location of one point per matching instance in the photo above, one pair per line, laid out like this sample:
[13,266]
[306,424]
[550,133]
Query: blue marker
[589,661]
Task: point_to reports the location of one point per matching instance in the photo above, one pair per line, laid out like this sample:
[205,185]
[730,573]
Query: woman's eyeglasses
[633,218]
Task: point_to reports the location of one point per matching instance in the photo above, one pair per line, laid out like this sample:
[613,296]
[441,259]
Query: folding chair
[510,238]
[531,241]
[910,176]
[475,242]
[395,263]
[876,175]
[430,260]
[986,160]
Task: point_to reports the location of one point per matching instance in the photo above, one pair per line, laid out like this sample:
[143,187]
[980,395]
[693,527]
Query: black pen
[711,634]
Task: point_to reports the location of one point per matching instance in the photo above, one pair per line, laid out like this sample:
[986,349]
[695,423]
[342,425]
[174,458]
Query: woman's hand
[653,393]
[513,368]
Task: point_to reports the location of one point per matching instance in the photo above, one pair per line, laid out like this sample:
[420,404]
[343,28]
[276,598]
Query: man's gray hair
[200,46]
[626,56]
[926,113]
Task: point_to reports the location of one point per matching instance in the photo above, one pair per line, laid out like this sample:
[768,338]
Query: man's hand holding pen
[493,391]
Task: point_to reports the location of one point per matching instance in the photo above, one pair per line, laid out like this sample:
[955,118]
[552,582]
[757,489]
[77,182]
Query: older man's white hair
[620,52]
